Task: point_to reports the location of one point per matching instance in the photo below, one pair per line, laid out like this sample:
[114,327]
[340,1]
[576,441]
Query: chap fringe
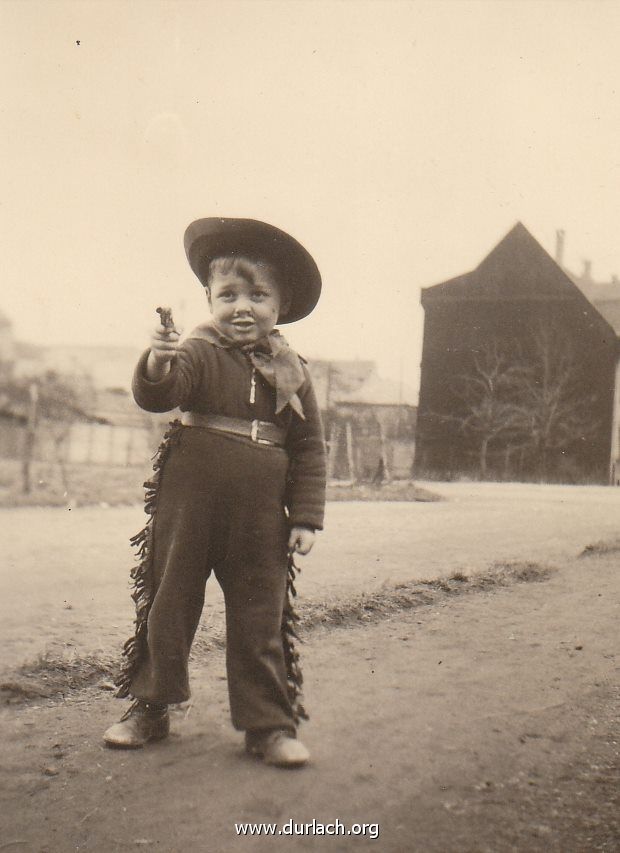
[294,676]
[142,573]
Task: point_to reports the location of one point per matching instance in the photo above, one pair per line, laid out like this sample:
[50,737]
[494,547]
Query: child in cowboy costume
[239,487]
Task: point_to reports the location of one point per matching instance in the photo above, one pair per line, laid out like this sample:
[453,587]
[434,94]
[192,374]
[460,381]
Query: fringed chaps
[135,648]
[141,574]
[294,676]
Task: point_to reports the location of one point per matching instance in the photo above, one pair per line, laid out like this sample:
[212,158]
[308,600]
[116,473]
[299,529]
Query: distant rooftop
[332,379]
[107,366]
[604,295]
[376,391]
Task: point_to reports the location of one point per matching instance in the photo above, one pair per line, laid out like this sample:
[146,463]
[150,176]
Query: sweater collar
[271,356]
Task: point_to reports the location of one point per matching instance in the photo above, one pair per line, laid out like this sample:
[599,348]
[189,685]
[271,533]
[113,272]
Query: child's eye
[259,294]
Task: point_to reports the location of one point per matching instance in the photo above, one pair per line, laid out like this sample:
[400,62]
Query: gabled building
[516,293]
[332,378]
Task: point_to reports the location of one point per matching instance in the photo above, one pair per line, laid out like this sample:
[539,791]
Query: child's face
[244,310]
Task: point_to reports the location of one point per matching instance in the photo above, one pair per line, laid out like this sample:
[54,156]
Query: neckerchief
[272,357]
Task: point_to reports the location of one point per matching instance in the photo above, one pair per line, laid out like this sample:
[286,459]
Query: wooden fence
[90,443]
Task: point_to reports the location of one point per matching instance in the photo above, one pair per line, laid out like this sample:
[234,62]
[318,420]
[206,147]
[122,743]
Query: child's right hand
[164,345]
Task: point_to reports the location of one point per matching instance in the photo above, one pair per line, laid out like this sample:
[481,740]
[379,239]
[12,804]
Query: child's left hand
[301,540]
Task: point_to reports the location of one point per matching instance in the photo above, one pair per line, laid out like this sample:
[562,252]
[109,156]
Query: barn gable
[511,300]
[517,269]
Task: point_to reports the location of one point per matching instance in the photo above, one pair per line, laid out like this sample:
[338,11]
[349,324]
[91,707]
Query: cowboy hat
[215,237]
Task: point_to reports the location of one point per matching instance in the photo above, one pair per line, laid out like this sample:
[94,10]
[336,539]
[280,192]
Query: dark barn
[518,373]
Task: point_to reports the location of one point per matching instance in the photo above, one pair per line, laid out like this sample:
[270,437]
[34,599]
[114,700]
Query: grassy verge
[391,599]
[98,485]
[53,678]
[90,484]
[400,490]
[601,548]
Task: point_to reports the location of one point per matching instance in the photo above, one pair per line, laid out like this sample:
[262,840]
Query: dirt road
[485,725]
[64,573]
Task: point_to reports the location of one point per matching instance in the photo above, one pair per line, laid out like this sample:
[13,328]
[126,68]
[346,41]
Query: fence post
[31,428]
[111,446]
[332,445]
[387,474]
[350,452]
[129,447]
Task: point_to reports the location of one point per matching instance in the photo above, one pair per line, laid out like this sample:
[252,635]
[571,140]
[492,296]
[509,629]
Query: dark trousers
[220,509]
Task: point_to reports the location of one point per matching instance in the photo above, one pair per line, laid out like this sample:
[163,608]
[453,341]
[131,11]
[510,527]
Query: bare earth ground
[487,722]
[64,572]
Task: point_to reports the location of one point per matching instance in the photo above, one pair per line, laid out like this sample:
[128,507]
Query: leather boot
[277,747]
[142,723]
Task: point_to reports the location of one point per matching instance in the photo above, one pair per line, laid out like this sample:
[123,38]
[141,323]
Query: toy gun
[165,315]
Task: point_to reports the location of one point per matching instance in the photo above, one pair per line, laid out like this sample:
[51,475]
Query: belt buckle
[254,433]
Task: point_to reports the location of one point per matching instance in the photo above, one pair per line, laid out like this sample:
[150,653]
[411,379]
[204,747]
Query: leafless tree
[551,395]
[486,393]
[527,397]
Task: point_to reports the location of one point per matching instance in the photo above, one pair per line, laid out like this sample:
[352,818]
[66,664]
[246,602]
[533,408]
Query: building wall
[614,473]
[454,330]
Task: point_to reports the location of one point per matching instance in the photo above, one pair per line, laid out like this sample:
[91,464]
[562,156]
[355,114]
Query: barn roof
[518,269]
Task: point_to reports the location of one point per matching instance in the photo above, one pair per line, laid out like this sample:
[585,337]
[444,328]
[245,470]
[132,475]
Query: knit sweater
[208,379]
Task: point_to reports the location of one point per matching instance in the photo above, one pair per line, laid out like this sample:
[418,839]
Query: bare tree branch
[529,397]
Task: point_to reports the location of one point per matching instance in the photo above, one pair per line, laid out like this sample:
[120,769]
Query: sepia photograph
[310,426]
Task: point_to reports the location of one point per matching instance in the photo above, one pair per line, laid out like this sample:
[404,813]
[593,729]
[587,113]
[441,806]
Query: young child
[239,487]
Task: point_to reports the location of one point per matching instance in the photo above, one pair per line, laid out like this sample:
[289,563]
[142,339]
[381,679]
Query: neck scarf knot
[272,357]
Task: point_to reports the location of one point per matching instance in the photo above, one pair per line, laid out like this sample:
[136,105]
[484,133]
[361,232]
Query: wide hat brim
[214,237]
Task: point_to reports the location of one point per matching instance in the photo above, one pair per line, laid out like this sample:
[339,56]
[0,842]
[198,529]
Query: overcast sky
[398,141]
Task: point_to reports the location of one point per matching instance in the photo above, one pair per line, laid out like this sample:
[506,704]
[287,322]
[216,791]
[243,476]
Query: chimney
[559,246]
[587,271]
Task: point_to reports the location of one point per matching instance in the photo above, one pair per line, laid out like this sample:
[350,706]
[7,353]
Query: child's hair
[245,266]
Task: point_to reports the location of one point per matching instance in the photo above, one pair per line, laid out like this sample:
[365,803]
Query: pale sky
[398,141]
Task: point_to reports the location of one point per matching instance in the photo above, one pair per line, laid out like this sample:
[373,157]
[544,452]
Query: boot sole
[286,765]
[114,744]
[259,754]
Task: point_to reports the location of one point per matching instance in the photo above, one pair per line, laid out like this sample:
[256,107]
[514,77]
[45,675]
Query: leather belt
[261,432]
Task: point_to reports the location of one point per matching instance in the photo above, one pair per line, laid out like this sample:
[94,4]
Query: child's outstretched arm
[167,372]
